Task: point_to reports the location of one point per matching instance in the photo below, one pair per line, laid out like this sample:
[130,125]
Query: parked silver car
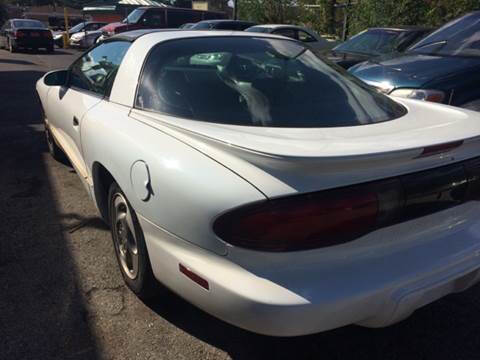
[307,36]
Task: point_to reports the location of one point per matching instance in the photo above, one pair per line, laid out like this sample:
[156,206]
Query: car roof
[17,19]
[402,28]
[158,35]
[280,26]
[271,26]
[225,20]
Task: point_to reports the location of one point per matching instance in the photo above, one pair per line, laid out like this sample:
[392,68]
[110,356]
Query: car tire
[472,105]
[55,151]
[129,244]
[51,49]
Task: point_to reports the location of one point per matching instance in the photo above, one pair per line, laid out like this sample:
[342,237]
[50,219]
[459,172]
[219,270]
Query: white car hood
[280,161]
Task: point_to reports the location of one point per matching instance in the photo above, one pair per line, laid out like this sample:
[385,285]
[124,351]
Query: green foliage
[267,11]
[325,18]
[368,13]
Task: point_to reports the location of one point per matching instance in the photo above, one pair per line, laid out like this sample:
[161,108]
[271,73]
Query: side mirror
[56,78]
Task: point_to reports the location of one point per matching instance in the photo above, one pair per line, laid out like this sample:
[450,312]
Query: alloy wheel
[124,236]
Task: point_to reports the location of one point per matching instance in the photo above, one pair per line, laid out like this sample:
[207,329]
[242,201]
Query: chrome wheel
[124,236]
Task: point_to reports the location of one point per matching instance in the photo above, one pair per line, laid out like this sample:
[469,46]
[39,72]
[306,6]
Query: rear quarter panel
[189,189]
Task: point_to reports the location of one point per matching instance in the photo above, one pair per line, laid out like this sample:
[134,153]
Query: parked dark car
[159,18]
[374,42]
[85,26]
[237,25]
[443,67]
[25,33]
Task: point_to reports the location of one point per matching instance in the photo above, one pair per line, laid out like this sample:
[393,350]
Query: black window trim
[108,90]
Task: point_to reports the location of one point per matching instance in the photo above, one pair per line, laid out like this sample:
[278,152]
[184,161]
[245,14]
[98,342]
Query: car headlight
[420,94]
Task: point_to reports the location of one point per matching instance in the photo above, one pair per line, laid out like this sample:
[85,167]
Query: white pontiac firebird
[265,186]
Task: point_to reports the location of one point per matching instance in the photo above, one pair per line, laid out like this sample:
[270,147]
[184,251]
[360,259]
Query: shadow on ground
[447,329]
[42,310]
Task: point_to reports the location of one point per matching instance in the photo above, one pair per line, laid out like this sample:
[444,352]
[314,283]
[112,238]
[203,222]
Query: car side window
[96,70]
[305,37]
[154,19]
[291,33]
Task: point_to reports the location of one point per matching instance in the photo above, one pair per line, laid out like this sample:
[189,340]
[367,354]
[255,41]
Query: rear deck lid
[281,161]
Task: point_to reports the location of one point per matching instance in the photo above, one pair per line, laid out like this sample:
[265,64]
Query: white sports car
[264,186]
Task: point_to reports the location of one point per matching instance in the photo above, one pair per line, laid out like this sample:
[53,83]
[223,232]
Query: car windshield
[134,16]
[29,24]
[371,42]
[460,37]
[258,29]
[77,28]
[256,82]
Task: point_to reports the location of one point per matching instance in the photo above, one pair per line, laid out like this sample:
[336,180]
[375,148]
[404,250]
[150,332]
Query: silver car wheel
[124,236]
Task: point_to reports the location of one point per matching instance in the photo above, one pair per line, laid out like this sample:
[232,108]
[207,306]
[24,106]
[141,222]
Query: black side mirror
[56,78]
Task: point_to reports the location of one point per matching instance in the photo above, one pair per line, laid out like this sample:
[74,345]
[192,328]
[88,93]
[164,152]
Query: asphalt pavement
[62,296]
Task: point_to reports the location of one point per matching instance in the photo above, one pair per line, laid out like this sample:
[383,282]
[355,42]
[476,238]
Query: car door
[90,80]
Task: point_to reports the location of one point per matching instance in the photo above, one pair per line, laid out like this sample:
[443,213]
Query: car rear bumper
[33,43]
[369,283]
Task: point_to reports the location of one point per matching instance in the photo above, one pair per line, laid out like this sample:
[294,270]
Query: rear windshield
[29,24]
[460,37]
[256,82]
[375,41]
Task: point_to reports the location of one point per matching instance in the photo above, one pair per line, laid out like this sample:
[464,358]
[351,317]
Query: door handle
[75,121]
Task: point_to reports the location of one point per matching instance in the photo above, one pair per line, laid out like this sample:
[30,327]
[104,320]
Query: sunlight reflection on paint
[171,164]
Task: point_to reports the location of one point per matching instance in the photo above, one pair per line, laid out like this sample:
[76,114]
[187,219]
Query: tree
[3,12]
[266,11]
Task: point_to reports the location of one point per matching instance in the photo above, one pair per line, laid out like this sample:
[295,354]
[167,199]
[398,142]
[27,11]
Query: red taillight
[47,34]
[19,34]
[306,221]
[439,149]
[334,217]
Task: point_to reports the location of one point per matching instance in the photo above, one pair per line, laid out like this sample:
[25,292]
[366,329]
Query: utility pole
[235,13]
